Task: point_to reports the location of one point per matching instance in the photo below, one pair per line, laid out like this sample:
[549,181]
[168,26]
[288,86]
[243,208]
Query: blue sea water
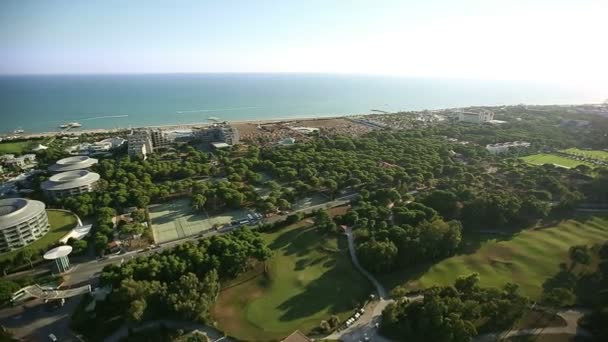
[43,102]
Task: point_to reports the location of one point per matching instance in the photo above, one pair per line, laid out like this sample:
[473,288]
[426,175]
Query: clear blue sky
[496,39]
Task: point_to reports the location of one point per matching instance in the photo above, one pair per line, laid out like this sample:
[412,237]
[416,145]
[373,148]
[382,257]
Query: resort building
[161,138]
[217,133]
[26,160]
[22,222]
[60,256]
[139,143]
[70,183]
[505,147]
[73,164]
[97,147]
[476,116]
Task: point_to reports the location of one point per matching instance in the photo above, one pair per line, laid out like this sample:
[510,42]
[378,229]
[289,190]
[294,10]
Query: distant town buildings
[161,138]
[70,183]
[24,161]
[217,133]
[505,147]
[72,164]
[22,222]
[97,147]
[475,116]
[139,143]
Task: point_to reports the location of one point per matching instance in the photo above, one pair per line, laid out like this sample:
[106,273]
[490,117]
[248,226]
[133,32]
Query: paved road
[570,316]
[213,334]
[365,326]
[35,322]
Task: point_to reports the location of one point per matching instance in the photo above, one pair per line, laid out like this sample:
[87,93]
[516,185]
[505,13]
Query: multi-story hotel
[139,143]
[72,164]
[70,183]
[22,222]
[217,133]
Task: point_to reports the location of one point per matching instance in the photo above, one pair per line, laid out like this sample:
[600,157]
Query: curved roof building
[22,221]
[72,164]
[70,183]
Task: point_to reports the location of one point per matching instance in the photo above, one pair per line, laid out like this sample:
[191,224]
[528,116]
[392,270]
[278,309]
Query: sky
[554,40]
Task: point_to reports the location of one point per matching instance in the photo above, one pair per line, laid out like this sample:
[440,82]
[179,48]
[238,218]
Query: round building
[72,164]
[70,183]
[22,222]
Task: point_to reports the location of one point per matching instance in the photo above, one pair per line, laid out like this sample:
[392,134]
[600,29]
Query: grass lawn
[19,147]
[61,223]
[528,259]
[602,155]
[309,278]
[545,158]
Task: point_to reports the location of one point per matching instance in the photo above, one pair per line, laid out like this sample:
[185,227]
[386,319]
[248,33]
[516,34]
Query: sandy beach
[246,128]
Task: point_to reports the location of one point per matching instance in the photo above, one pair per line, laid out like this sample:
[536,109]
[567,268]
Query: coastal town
[78,205]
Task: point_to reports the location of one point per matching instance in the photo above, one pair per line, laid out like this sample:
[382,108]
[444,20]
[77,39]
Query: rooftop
[70,179]
[57,252]
[73,163]
[17,210]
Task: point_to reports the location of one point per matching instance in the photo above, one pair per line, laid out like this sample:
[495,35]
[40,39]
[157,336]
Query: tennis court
[177,220]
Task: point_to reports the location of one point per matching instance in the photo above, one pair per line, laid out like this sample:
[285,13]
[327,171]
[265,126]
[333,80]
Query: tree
[191,298]
[198,202]
[138,216]
[100,243]
[78,246]
[26,255]
[7,288]
[378,256]
[283,204]
[558,297]
[445,202]
[579,255]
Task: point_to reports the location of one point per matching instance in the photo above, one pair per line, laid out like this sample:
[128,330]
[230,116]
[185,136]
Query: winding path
[570,316]
[365,326]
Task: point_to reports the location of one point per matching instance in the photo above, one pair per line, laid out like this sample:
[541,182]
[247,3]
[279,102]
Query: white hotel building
[22,222]
[70,183]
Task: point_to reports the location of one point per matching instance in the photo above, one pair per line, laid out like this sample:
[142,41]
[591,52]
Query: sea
[40,103]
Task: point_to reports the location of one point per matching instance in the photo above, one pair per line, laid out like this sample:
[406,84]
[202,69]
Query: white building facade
[22,222]
[70,183]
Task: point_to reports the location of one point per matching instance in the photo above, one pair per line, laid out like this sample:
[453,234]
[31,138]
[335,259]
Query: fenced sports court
[176,220]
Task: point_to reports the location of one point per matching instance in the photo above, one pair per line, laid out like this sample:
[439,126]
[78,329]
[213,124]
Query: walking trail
[365,326]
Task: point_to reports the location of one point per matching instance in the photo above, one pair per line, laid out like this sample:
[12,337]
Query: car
[361,311]
[53,338]
[155,246]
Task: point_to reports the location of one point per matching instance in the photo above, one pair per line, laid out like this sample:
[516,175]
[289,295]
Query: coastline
[178,126]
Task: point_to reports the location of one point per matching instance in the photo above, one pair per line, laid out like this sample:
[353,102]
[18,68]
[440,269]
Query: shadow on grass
[333,291]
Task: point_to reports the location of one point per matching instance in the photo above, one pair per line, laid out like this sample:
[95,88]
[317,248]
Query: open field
[18,147]
[528,259]
[602,155]
[545,158]
[61,224]
[308,279]
[176,220]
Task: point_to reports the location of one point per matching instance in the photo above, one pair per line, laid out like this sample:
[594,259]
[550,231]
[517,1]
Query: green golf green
[309,278]
[545,158]
[18,147]
[528,259]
